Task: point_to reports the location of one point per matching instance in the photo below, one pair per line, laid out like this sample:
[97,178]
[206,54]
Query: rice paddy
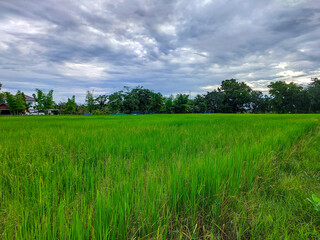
[136,177]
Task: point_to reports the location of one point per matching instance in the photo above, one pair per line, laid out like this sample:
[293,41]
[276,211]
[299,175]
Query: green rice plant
[134,177]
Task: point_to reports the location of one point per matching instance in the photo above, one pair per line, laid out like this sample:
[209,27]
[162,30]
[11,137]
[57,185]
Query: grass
[156,176]
[278,205]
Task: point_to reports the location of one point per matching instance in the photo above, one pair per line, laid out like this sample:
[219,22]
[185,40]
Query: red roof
[29,99]
[4,106]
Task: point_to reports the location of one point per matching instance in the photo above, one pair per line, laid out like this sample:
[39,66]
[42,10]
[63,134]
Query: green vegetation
[283,202]
[231,97]
[44,101]
[17,103]
[159,177]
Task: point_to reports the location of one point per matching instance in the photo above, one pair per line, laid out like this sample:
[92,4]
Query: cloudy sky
[170,46]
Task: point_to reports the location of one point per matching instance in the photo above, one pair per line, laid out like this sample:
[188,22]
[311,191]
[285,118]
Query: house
[4,109]
[31,102]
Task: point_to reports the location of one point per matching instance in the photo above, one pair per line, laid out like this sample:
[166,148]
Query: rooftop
[29,99]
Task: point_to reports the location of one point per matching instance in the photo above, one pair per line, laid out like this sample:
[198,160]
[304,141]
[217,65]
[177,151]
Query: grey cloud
[169,46]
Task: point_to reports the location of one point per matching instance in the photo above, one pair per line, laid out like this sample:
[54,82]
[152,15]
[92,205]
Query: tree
[141,99]
[157,102]
[314,94]
[168,104]
[11,101]
[237,95]
[16,103]
[70,106]
[198,104]
[1,94]
[44,101]
[48,100]
[144,98]
[116,101]
[137,99]
[39,97]
[180,103]
[288,98]
[259,103]
[60,106]
[90,101]
[20,100]
[102,101]
[215,102]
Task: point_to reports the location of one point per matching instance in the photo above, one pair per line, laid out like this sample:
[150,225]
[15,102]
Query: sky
[169,46]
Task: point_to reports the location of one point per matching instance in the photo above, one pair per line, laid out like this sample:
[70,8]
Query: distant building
[4,109]
[30,101]
[30,104]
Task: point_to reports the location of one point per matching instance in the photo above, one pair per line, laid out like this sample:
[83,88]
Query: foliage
[90,101]
[231,96]
[237,96]
[287,97]
[314,94]
[70,106]
[16,103]
[20,101]
[215,101]
[180,103]
[259,103]
[102,100]
[198,104]
[44,101]
[136,99]
[116,101]
[2,95]
[11,101]
[168,104]
[156,102]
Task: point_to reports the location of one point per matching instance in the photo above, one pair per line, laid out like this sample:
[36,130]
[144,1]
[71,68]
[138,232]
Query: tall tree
[130,101]
[90,101]
[116,102]
[48,100]
[102,101]
[287,97]
[1,94]
[180,103]
[39,97]
[44,101]
[168,104]
[11,101]
[20,100]
[70,106]
[314,93]
[157,102]
[198,104]
[137,99]
[259,103]
[215,102]
[237,95]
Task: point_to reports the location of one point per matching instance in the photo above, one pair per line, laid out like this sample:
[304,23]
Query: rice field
[134,177]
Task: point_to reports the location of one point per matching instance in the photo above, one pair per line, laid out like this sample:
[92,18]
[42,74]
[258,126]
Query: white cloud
[83,70]
[290,74]
[281,65]
[167,28]
[210,87]
[25,27]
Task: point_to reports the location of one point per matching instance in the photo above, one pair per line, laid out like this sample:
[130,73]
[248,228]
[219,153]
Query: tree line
[231,96]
